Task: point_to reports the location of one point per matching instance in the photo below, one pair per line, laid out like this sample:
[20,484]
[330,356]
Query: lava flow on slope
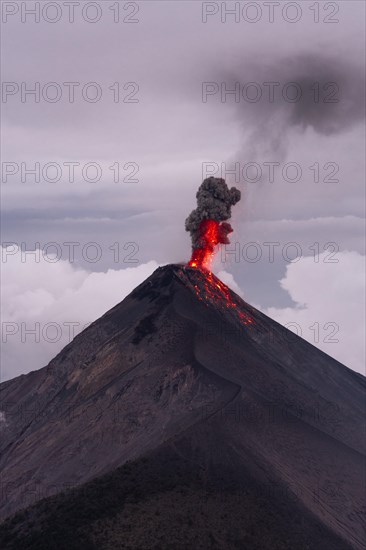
[210,290]
[208,228]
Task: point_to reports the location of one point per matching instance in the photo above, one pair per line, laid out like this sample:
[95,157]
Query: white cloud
[329,300]
[61,299]
[329,310]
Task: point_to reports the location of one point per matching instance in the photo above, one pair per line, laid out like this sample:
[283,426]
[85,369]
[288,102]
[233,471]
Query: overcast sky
[168,93]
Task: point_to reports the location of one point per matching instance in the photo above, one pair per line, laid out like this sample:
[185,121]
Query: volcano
[184,418]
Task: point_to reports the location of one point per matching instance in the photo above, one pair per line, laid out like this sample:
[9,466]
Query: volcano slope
[184,418]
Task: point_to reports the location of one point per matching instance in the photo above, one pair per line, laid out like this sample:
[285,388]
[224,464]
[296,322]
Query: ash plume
[214,202]
[331,100]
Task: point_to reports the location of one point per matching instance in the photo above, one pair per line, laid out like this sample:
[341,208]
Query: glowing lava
[210,290]
[212,233]
[219,294]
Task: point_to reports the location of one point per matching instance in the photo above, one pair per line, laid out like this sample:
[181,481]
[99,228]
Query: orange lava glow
[220,294]
[210,237]
[211,288]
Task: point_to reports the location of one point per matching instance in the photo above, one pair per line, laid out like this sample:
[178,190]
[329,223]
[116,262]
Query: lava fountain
[207,223]
[208,227]
[211,234]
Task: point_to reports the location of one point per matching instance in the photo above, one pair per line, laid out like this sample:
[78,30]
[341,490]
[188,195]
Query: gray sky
[299,157]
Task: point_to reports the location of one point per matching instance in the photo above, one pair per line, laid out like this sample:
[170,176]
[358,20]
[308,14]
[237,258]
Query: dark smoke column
[207,223]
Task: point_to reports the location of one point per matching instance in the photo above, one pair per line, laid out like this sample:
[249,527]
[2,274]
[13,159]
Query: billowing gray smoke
[330,101]
[214,202]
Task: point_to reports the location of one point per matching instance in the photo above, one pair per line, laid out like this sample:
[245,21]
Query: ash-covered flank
[184,418]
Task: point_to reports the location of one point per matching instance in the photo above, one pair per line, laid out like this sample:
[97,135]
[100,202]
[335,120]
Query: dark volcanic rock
[184,372]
